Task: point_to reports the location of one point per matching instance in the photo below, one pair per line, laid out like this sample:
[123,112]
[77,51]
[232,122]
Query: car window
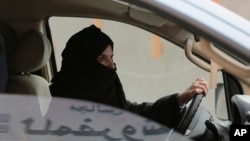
[149,66]
[74,120]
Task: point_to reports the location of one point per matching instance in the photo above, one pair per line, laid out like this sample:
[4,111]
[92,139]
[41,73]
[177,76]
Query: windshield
[30,118]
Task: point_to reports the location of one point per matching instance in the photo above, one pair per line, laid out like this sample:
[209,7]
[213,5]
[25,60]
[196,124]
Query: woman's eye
[101,58]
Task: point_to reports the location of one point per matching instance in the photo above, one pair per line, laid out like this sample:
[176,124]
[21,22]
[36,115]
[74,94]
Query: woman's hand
[200,85]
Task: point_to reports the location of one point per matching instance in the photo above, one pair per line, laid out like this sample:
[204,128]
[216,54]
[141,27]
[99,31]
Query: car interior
[28,62]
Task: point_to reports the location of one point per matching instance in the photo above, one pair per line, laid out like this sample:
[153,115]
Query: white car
[161,46]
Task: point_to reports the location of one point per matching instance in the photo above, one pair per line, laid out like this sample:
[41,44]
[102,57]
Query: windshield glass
[30,118]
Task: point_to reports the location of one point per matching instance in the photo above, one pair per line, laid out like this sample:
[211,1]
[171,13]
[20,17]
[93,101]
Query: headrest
[32,53]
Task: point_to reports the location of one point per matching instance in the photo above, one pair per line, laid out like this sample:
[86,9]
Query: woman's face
[106,58]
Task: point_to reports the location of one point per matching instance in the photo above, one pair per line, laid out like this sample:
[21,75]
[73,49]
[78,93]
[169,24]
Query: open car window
[149,66]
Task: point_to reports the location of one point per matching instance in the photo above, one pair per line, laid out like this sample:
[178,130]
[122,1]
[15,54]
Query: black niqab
[82,77]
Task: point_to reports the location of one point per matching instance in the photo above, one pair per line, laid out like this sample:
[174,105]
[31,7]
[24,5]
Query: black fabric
[90,80]
[86,45]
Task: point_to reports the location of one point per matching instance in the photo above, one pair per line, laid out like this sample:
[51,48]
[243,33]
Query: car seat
[31,54]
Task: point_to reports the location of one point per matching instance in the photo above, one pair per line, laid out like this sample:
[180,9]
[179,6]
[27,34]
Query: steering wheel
[188,113]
